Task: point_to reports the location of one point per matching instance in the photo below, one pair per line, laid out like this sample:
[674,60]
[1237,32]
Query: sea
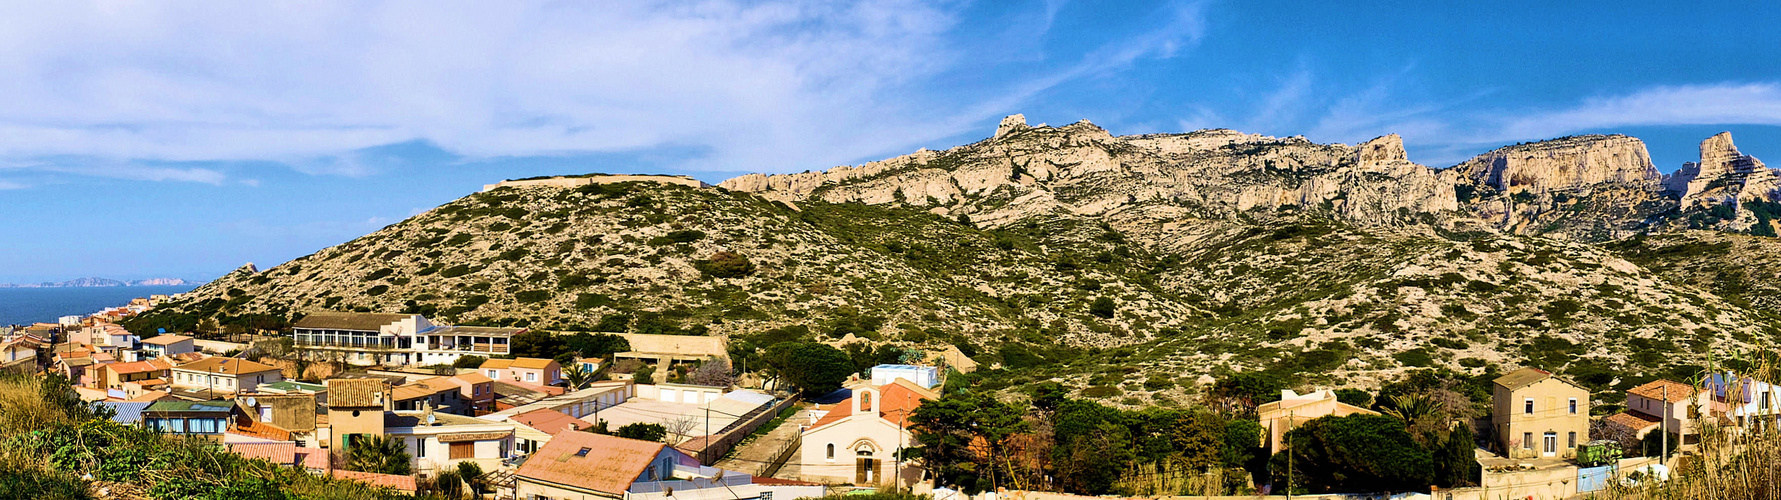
[23,306]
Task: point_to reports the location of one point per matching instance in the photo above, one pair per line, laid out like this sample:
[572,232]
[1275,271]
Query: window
[420,447]
[463,450]
[1573,406]
[531,377]
[831,451]
[1550,440]
[1527,440]
[266,414]
[1571,442]
[492,374]
[1528,406]
[1765,400]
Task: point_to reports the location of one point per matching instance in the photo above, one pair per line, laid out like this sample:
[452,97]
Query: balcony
[383,345]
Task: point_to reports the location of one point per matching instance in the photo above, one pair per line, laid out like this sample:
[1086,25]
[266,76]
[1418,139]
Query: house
[107,337]
[167,345]
[294,387]
[664,350]
[209,419]
[355,408]
[146,375]
[925,376]
[73,365]
[434,440]
[535,428]
[584,405]
[221,375]
[439,441]
[476,391]
[1749,403]
[524,371]
[294,414]
[395,339]
[1536,414]
[580,465]
[853,441]
[440,392]
[1675,405]
[1294,409]
[19,351]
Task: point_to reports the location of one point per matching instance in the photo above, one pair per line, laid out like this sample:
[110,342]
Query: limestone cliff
[1723,175]
[1563,164]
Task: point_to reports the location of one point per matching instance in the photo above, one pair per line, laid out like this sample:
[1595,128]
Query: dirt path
[755,456]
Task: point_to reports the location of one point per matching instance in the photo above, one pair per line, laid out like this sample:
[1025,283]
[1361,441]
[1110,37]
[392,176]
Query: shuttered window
[463,450]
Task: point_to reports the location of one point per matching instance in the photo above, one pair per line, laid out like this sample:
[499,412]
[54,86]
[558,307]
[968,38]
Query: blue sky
[182,140]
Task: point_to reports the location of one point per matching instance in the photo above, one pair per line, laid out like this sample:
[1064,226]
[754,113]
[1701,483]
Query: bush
[468,361]
[532,296]
[725,265]
[1102,307]
[455,271]
[1414,357]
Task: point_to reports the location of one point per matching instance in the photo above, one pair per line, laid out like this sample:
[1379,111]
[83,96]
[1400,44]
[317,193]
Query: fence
[709,449]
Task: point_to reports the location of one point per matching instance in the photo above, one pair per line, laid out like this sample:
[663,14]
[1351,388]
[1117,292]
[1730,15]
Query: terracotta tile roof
[166,339]
[138,366]
[364,322]
[226,366]
[472,378]
[278,453]
[313,458]
[187,357]
[549,421]
[1631,421]
[399,483]
[357,392]
[248,426]
[496,364]
[1655,390]
[532,363]
[608,464]
[896,400]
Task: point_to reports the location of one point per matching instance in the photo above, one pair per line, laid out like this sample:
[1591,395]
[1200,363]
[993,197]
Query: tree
[643,432]
[1242,392]
[1198,440]
[1455,463]
[712,372]
[449,484]
[725,264]
[577,377]
[1356,453]
[1102,307]
[644,375]
[598,345]
[1243,449]
[378,454]
[539,344]
[814,369]
[947,430]
[468,361]
[681,428]
[1354,397]
[471,473]
[1094,445]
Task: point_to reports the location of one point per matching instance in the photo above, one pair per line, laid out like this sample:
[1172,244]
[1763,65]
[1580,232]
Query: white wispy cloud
[5,184]
[769,86]
[1706,104]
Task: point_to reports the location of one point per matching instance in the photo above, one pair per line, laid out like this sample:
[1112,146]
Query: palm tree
[1415,409]
[577,377]
[378,454]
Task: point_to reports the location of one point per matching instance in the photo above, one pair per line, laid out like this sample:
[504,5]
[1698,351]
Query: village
[426,402]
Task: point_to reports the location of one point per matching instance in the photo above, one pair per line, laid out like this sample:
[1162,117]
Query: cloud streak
[1721,103]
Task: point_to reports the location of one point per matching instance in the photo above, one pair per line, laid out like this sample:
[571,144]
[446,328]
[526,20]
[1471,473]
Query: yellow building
[1293,410]
[1536,414]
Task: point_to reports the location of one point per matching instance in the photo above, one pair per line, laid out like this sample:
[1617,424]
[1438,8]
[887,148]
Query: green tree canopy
[378,454]
[644,432]
[1356,453]
[813,368]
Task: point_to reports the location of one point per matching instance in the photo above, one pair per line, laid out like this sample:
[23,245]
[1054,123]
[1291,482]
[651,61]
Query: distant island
[102,282]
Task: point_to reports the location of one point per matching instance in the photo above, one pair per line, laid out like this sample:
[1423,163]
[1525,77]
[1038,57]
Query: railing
[349,345]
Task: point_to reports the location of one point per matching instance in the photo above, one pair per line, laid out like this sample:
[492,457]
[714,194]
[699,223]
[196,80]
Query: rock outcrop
[1564,164]
[1723,175]
[1011,124]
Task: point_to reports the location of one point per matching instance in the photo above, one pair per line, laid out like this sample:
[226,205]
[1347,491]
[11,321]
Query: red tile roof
[247,426]
[313,458]
[550,421]
[400,483]
[278,453]
[896,400]
[608,466]
[1655,390]
[1631,421]
[139,366]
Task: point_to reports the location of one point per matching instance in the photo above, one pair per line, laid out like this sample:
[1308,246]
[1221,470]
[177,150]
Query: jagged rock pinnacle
[1010,124]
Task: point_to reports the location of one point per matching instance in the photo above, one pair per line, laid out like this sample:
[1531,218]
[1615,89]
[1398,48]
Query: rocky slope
[1130,267]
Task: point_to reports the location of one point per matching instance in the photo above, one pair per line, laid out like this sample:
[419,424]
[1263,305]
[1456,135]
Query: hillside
[1131,267]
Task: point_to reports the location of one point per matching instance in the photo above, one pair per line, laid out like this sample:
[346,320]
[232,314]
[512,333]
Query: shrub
[1102,307]
[532,296]
[1414,357]
[455,271]
[726,265]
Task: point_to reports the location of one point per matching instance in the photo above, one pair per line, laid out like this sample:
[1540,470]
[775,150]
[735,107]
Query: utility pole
[1664,453]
